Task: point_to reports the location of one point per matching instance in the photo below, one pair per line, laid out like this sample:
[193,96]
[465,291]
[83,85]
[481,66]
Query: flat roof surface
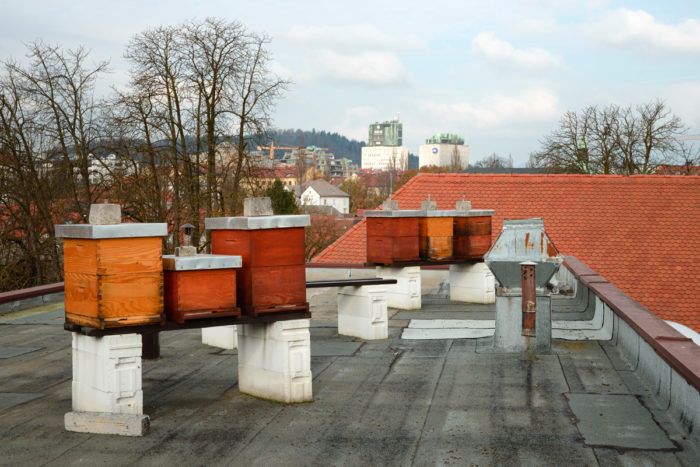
[386,402]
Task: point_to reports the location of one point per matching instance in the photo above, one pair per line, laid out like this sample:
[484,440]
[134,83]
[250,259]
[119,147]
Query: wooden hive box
[272,278]
[113,274]
[472,234]
[436,236]
[200,286]
[393,236]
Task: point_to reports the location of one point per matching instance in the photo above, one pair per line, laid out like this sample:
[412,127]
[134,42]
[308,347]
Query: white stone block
[224,337]
[107,423]
[362,312]
[274,360]
[405,294]
[472,283]
[107,374]
[105,214]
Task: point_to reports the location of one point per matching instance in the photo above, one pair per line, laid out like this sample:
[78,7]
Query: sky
[501,72]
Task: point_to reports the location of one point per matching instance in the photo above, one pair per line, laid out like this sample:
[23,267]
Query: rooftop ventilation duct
[520,241]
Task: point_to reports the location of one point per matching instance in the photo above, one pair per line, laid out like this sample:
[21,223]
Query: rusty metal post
[529,304]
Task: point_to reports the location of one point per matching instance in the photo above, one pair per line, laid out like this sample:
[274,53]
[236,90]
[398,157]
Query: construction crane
[272,149]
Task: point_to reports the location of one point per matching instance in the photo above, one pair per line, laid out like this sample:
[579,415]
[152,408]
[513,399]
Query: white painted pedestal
[274,360]
[472,283]
[107,392]
[405,294]
[224,337]
[362,312]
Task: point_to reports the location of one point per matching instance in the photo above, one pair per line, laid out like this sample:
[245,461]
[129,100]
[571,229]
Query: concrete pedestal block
[274,360]
[107,374]
[509,325]
[107,423]
[405,294]
[362,312]
[472,283]
[224,337]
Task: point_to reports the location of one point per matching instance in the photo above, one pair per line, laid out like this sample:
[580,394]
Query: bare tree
[455,160]
[495,161]
[254,94]
[611,140]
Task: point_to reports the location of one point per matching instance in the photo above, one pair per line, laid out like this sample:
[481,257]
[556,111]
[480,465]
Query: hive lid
[256,223]
[95,232]
[519,241]
[472,213]
[399,213]
[200,262]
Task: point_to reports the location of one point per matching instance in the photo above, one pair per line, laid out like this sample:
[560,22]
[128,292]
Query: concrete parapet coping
[677,350]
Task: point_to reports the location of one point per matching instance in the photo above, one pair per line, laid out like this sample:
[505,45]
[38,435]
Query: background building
[321,193]
[389,133]
[384,150]
[444,150]
[385,157]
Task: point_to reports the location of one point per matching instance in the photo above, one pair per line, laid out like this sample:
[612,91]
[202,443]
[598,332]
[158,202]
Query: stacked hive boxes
[273,276]
[393,236]
[113,274]
[472,234]
[436,235]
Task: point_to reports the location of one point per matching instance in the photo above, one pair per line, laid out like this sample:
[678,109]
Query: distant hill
[336,143]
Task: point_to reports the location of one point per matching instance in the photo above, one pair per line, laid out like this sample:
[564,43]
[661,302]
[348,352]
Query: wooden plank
[380,249]
[271,286]
[392,226]
[81,296]
[436,248]
[130,299]
[129,255]
[113,255]
[260,248]
[436,227]
[406,249]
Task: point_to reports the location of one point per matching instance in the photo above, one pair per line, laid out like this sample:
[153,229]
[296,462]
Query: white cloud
[354,38]
[496,110]
[363,68]
[501,53]
[641,30]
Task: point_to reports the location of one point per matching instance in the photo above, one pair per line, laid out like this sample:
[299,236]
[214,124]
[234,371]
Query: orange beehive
[113,274]
[393,236]
[200,286]
[436,236]
[472,234]
[273,274]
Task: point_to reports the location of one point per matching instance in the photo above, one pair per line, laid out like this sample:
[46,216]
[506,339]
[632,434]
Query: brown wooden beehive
[472,234]
[113,274]
[200,286]
[436,236]
[272,278]
[393,236]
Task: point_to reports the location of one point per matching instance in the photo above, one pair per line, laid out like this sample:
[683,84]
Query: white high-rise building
[444,150]
[385,157]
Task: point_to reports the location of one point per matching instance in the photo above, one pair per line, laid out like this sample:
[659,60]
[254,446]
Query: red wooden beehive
[472,234]
[393,236]
[272,278]
[200,286]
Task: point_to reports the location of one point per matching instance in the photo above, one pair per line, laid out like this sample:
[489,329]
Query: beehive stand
[274,359]
[406,293]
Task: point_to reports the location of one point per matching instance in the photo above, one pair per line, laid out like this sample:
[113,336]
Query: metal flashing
[257,223]
[96,232]
[200,262]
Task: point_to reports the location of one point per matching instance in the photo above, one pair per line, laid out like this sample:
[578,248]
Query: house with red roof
[641,233]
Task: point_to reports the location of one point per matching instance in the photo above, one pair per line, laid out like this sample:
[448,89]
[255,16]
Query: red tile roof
[642,233]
